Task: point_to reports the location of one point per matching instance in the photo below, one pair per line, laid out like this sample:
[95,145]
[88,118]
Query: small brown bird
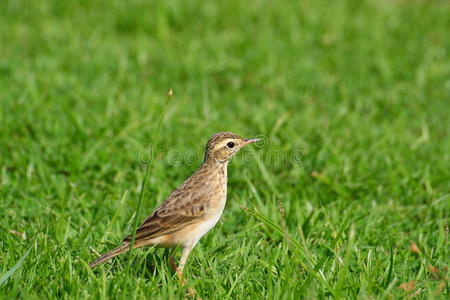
[193,208]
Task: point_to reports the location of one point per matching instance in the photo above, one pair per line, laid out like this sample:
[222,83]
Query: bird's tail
[110,254]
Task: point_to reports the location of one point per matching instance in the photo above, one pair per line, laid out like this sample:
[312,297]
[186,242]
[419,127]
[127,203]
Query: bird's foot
[180,277]
[190,293]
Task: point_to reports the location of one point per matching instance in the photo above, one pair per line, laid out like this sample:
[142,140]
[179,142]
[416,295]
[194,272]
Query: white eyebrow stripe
[223,143]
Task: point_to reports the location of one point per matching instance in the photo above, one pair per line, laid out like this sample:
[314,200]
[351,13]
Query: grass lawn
[349,197]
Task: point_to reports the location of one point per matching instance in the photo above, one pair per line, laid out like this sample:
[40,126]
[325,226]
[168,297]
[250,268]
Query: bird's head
[223,145]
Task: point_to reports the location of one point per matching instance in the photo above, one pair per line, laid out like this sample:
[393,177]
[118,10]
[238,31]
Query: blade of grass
[344,271]
[391,263]
[147,168]
[309,265]
[11,271]
[115,215]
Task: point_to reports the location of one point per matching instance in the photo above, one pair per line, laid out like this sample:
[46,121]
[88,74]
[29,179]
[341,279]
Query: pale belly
[195,232]
[190,235]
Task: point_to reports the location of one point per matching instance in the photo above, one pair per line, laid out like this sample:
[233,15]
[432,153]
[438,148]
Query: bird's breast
[218,194]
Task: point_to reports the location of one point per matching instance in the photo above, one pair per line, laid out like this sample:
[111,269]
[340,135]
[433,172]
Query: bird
[192,209]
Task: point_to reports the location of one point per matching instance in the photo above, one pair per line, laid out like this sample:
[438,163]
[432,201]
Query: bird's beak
[249,141]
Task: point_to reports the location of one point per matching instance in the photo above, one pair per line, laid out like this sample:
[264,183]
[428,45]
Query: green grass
[360,88]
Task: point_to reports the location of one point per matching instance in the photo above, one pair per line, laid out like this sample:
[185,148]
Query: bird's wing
[182,207]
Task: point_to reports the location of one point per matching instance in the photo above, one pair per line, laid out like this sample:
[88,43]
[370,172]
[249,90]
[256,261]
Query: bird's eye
[230,145]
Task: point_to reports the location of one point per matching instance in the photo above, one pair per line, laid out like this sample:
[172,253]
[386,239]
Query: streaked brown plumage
[193,208]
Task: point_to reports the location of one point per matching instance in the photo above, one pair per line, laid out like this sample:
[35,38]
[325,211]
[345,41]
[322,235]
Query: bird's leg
[183,259]
[172,263]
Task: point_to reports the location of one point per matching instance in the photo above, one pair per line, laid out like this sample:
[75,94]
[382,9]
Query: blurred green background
[360,88]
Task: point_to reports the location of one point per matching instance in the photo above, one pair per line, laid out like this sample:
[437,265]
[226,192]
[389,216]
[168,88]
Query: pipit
[193,208]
